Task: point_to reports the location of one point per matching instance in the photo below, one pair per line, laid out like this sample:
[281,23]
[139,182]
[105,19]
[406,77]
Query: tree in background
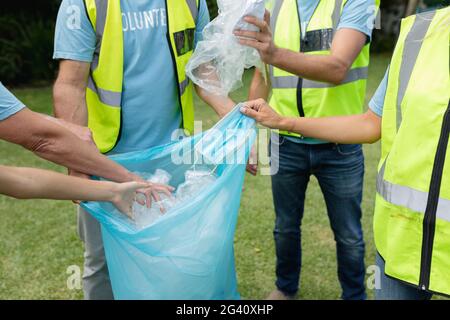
[26,41]
[212,6]
[27,30]
[421,5]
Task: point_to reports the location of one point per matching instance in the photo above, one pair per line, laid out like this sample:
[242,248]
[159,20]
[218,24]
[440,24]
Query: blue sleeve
[75,37]
[9,104]
[202,20]
[359,15]
[377,102]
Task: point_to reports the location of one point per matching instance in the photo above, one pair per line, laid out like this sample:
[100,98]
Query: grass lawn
[39,240]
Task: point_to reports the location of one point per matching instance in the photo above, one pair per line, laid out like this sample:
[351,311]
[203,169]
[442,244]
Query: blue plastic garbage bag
[188,252]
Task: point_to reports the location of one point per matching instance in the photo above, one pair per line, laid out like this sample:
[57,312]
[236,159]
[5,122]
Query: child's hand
[124,194]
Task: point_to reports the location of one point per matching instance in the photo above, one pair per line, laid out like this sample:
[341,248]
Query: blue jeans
[391,289]
[340,172]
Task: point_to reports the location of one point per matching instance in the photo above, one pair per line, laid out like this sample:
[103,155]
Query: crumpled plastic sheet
[187,253]
[195,181]
[219,61]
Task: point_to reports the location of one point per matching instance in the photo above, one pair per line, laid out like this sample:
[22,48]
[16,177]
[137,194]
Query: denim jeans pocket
[348,149]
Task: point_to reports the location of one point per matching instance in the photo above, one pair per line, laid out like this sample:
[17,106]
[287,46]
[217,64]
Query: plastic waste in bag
[187,252]
[195,180]
[219,61]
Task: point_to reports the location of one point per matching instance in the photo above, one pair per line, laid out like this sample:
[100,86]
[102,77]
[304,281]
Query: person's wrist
[228,106]
[112,192]
[286,124]
[276,56]
[134,177]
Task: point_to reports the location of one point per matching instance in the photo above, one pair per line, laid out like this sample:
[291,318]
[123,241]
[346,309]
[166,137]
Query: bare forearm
[70,103]
[28,183]
[365,128]
[324,68]
[51,140]
[69,92]
[221,105]
[68,150]
[259,87]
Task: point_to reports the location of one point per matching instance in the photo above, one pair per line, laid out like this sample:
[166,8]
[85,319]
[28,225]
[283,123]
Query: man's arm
[332,68]
[69,92]
[69,96]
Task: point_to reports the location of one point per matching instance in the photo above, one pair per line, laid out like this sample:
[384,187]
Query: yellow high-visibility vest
[412,212]
[296,97]
[104,91]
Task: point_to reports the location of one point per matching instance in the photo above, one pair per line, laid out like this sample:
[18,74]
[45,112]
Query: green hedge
[26,41]
[212,5]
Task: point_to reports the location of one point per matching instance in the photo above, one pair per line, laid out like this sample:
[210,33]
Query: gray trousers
[96,282]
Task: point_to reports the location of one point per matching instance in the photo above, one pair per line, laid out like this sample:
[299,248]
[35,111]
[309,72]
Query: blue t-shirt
[377,102]
[357,15]
[150,106]
[9,104]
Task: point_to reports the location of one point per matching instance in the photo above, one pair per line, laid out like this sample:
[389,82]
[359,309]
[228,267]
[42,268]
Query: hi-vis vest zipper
[296,97]
[412,213]
[104,92]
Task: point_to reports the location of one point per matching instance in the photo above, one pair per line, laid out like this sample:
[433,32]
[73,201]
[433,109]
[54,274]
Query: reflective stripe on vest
[110,98]
[413,44]
[291,82]
[193,6]
[107,97]
[410,198]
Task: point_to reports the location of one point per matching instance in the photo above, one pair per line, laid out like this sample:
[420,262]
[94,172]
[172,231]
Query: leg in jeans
[96,283]
[391,289]
[288,188]
[340,171]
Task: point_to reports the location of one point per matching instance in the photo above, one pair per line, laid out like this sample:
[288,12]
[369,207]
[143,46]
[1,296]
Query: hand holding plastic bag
[219,61]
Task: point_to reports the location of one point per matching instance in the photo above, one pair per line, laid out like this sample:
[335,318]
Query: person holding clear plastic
[63,143]
[410,112]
